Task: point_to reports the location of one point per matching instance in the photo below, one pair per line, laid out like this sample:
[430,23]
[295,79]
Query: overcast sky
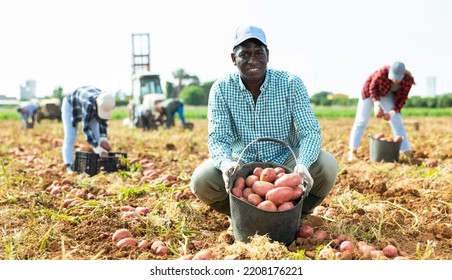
[332,45]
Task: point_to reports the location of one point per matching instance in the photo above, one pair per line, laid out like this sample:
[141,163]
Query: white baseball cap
[248,32]
[105,104]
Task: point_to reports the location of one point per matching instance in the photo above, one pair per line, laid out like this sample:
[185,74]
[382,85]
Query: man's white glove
[100,151]
[228,171]
[303,171]
[378,110]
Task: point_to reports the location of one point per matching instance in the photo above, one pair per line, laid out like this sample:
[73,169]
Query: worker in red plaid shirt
[387,91]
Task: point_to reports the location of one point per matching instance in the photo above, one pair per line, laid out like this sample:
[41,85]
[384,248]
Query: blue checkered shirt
[84,109]
[282,111]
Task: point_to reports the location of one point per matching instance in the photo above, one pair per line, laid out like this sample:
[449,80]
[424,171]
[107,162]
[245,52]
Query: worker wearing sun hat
[93,107]
[386,90]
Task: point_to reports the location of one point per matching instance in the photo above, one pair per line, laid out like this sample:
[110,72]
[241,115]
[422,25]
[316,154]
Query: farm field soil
[47,214]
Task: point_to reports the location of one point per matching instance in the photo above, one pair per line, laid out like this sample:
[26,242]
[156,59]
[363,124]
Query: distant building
[28,91]
[431,86]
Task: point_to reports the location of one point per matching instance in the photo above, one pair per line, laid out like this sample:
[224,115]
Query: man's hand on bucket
[228,171]
[303,171]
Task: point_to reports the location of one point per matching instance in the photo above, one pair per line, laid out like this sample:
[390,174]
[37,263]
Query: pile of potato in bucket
[269,188]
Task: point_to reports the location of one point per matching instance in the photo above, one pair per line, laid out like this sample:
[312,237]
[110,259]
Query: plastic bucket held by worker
[248,220]
[381,150]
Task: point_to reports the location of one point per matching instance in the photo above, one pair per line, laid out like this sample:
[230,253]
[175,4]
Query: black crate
[91,163]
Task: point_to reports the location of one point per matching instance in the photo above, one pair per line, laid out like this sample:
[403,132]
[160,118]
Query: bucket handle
[261,139]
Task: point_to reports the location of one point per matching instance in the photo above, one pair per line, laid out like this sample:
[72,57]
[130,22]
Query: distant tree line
[325,98]
[189,89]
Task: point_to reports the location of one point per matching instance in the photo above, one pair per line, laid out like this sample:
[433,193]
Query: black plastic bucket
[381,150]
[248,220]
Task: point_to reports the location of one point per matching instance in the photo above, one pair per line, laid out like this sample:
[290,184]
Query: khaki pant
[208,185]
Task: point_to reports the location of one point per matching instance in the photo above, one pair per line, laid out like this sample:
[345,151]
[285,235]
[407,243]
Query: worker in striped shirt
[93,108]
[259,102]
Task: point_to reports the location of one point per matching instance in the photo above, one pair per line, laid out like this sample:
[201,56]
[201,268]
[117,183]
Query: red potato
[144,244]
[268,174]
[254,199]
[285,206]
[280,170]
[279,195]
[239,183]
[319,236]
[279,175]
[156,244]
[143,211]
[398,139]
[346,246]
[203,255]
[258,171]
[128,241]
[250,180]
[237,192]
[246,192]
[305,231]
[121,234]
[364,247]
[267,205]
[262,187]
[289,180]
[161,250]
[105,145]
[297,193]
[390,251]
[386,117]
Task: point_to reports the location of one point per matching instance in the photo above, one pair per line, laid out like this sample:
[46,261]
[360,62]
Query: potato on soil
[346,246]
[268,174]
[305,231]
[121,234]
[205,254]
[128,241]
[390,251]
[159,248]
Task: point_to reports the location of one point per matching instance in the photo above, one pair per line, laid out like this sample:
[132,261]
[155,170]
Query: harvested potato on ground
[121,234]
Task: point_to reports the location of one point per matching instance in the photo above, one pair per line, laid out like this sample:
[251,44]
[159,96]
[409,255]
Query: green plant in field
[429,251]
[298,255]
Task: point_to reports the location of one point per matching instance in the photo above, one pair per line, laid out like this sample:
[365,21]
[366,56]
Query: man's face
[251,59]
